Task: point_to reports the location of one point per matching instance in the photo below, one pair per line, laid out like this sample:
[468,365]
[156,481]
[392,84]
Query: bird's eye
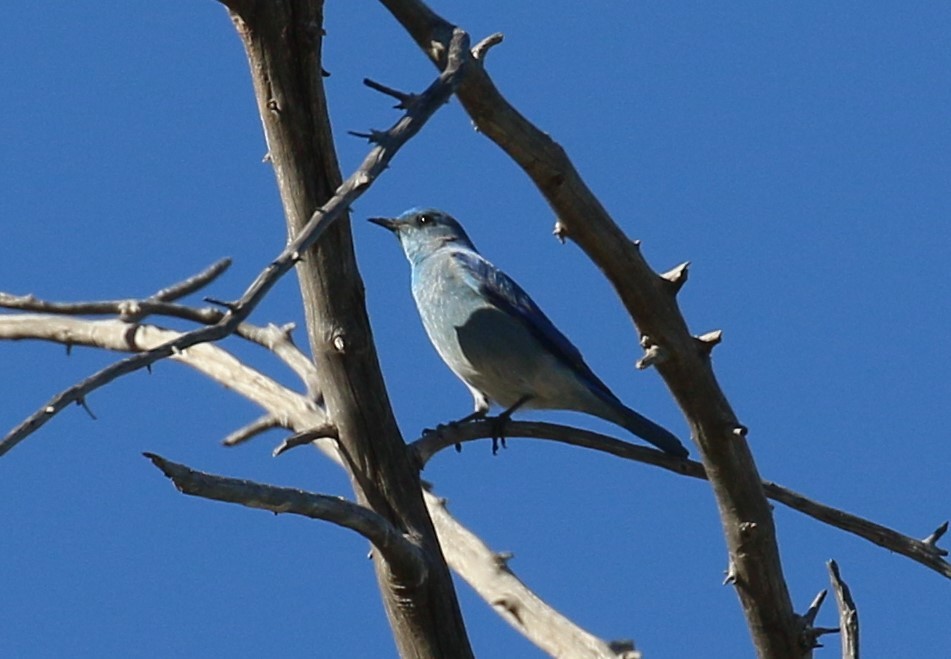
[425,219]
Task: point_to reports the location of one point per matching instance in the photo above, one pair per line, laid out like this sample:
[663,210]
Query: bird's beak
[385,222]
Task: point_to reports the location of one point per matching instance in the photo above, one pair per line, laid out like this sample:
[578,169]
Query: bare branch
[445,436]
[917,550]
[404,99]
[373,165]
[279,341]
[245,433]
[491,577]
[304,438]
[398,549]
[215,362]
[128,309]
[467,554]
[132,309]
[193,283]
[848,614]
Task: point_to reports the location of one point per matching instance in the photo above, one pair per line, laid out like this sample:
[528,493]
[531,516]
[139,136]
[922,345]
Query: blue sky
[798,155]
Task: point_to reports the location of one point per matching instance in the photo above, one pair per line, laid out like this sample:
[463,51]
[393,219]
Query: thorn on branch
[230,306]
[810,634]
[810,616]
[405,100]
[707,341]
[129,310]
[676,277]
[730,578]
[373,137]
[653,354]
[510,606]
[482,48]
[82,403]
[932,540]
[502,558]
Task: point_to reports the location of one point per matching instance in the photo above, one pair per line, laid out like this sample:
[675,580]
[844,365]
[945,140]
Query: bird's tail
[647,430]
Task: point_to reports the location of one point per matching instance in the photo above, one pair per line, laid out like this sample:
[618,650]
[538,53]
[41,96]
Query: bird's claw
[498,433]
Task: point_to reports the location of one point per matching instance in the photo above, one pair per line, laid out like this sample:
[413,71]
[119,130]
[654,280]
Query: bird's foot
[499,422]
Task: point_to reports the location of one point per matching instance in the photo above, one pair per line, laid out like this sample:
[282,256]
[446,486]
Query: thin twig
[247,432]
[273,338]
[279,341]
[118,335]
[128,309]
[304,438]
[192,284]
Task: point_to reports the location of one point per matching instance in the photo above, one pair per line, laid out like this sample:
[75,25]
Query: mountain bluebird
[495,338]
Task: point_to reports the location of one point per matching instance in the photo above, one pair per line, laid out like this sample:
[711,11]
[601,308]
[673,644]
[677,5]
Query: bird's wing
[502,291]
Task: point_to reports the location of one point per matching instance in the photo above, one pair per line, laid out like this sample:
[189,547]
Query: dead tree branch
[922,551]
[282,39]
[400,552]
[651,301]
[467,555]
[848,614]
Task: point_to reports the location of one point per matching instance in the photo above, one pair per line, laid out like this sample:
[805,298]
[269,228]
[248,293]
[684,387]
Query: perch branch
[921,551]
[402,553]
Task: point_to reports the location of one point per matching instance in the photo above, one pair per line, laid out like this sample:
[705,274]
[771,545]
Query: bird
[494,337]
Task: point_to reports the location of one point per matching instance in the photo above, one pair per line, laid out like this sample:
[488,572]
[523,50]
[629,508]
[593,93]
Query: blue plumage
[495,338]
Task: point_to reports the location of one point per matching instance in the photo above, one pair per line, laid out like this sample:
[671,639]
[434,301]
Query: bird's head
[422,231]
